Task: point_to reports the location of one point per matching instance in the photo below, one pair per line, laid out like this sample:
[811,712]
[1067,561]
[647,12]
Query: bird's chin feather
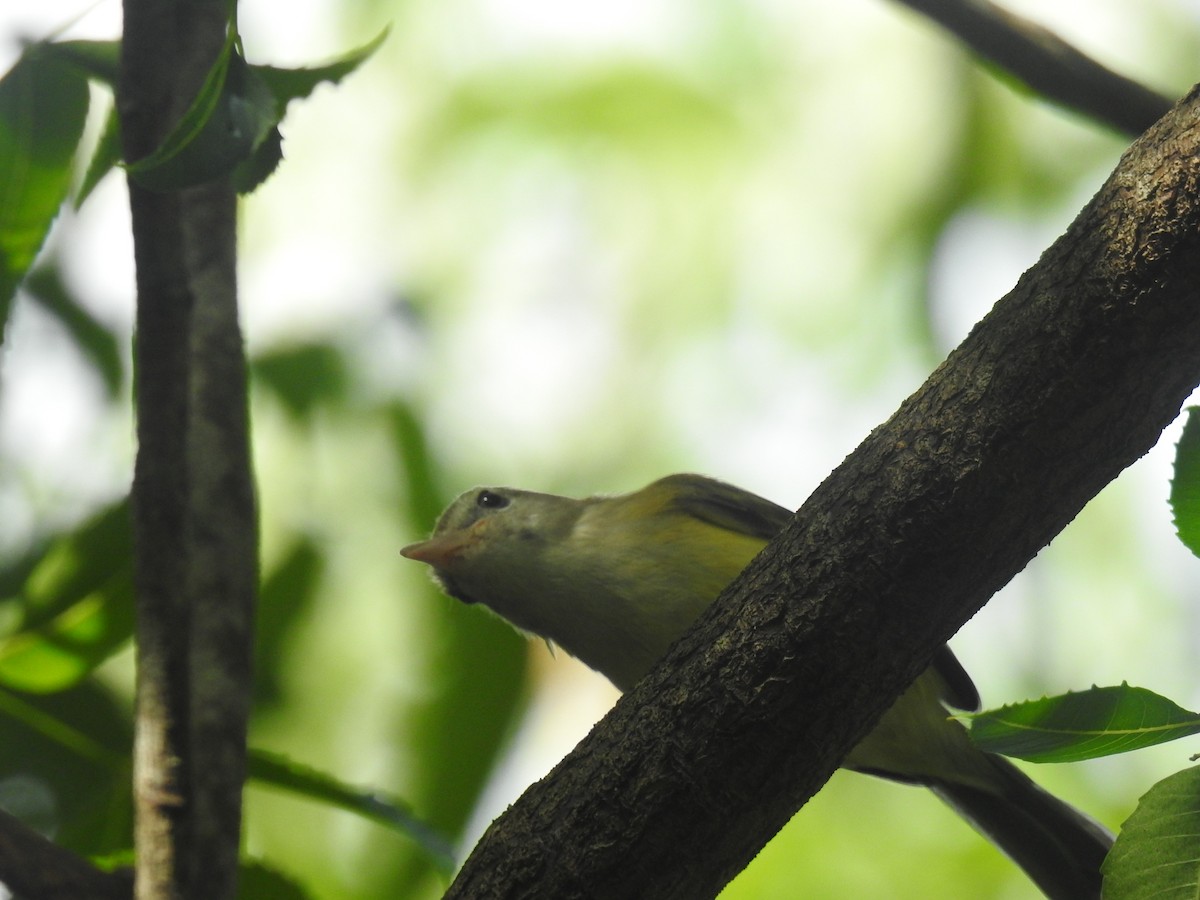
[452,589]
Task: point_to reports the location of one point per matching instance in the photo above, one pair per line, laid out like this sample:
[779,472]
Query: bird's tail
[1059,847]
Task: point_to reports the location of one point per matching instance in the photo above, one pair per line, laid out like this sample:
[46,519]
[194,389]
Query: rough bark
[1070,378]
[193,508]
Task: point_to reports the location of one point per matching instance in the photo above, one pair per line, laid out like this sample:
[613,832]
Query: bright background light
[593,245]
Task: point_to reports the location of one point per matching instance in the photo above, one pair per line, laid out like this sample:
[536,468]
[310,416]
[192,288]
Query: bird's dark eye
[491,500]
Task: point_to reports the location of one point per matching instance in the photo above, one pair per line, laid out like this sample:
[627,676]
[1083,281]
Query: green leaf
[418,473]
[97,59]
[259,881]
[285,598]
[303,377]
[287,85]
[76,607]
[250,173]
[1185,486]
[231,128]
[105,158]
[76,745]
[1084,725]
[1157,853]
[56,729]
[74,564]
[99,345]
[231,115]
[279,771]
[293,84]
[100,60]
[43,106]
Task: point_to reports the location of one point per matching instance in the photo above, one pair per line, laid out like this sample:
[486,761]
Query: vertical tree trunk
[193,506]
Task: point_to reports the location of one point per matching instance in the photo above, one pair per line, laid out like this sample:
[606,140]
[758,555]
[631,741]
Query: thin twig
[1047,64]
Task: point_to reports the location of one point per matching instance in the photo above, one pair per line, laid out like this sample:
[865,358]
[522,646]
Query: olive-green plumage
[615,580]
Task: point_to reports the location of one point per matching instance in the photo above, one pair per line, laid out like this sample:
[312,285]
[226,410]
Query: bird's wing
[741,511]
[726,506]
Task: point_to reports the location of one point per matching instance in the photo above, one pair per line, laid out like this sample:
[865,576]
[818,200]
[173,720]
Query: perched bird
[615,580]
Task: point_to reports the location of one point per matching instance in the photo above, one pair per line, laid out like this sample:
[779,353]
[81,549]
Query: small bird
[615,580]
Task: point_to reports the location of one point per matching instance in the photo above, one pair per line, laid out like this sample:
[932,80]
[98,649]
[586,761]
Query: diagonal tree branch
[35,868]
[1070,378]
[1047,63]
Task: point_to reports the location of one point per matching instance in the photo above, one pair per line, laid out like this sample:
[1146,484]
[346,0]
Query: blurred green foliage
[43,105]
[722,237]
